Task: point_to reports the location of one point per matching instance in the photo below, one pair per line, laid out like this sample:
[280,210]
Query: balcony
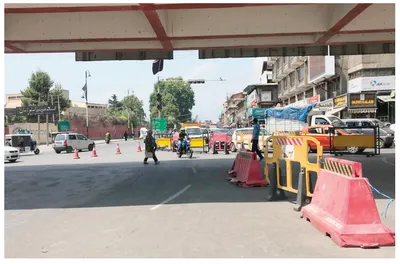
[286,67]
[272,59]
[297,61]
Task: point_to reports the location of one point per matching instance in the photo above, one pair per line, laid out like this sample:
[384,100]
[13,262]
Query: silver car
[364,126]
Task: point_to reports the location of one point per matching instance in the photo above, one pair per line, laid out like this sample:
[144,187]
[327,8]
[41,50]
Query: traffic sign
[159,124]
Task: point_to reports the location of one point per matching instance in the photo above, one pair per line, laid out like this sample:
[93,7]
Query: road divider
[246,170]
[343,207]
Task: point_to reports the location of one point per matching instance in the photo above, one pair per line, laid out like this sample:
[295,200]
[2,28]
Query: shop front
[326,106]
[362,105]
[339,107]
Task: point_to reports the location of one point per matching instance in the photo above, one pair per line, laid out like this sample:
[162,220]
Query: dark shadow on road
[134,184]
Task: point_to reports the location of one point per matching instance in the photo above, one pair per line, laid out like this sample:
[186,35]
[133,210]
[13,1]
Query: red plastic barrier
[247,170]
[344,208]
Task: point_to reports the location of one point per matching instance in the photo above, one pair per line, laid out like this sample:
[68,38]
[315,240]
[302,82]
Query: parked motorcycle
[108,140]
[185,148]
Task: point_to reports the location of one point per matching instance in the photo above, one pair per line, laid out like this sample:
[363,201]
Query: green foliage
[130,106]
[38,92]
[114,105]
[134,107]
[177,99]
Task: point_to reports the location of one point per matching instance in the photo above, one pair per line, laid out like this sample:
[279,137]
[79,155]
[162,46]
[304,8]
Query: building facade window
[292,79]
[372,72]
[309,93]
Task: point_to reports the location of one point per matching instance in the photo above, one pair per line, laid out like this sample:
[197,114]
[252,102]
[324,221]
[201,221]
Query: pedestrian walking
[254,139]
[150,148]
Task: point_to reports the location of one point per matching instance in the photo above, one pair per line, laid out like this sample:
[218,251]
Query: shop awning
[362,110]
[334,111]
[386,98]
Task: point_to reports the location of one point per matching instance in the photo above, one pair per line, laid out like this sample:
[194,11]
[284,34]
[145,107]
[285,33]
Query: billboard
[320,68]
[252,98]
[365,84]
[36,110]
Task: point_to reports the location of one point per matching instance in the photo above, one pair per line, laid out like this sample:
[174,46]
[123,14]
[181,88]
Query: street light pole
[87,74]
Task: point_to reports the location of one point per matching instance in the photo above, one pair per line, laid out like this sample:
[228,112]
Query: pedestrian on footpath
[254,139]
[150,148]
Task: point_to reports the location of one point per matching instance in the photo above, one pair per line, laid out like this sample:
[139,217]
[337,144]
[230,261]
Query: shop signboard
[365,84]
[340,101]
[313,99]
[326,105]
[258,113]
[362,100]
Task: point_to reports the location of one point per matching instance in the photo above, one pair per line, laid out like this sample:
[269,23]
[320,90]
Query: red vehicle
[321,133]
[218,139]
[174,140]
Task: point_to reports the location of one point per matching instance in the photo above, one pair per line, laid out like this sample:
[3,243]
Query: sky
[117,77]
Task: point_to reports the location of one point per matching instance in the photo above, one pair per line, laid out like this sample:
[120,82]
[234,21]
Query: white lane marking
[384,160]
[194,170]
[170,198]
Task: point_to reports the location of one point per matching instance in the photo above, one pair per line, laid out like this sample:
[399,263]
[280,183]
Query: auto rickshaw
[24,142]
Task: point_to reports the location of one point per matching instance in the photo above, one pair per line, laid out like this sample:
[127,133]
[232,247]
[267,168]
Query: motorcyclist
[182,135]
[108,136]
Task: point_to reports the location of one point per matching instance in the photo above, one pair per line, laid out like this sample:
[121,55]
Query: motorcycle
[107,140]
[185,149]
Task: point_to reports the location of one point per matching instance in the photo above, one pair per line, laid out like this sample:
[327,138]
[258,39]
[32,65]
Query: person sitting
[181,137]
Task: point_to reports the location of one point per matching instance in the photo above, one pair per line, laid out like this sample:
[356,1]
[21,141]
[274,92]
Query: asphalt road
[115,206]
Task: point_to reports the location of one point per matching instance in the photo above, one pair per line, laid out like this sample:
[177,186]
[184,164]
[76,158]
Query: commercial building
[234,112]
[347,86]
[79,109]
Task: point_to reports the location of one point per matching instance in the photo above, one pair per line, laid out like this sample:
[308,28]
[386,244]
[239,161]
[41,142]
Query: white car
[69,141]
[247,136]
[11,154]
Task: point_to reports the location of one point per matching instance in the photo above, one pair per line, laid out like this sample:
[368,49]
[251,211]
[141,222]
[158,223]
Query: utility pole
[158,91]
[85,89]
[87,106]
[38,120]
[127,108]
[59,111]
[52,104]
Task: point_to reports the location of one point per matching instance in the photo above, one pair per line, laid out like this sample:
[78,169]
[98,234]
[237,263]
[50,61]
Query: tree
[177,100]
[130,106]
[114,105]
[133,107]
[36,94]
[39,93]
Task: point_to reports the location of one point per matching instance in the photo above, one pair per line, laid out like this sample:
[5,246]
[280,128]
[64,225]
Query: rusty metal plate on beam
[363,49]
[263,52]
[134,55]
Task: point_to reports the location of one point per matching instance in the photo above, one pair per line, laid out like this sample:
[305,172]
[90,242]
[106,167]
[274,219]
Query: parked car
[11,154]
[321,133]
[69,141]
[386,135]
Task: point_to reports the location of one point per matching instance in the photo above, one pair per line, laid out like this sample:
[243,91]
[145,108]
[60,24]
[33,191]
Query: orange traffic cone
[118,150]
[76,155]
[94,153]
[139,149]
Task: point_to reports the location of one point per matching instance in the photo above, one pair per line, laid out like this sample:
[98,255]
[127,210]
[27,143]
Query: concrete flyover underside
[48,28]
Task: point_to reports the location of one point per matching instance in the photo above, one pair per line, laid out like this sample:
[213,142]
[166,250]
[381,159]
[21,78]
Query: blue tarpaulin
[290,112]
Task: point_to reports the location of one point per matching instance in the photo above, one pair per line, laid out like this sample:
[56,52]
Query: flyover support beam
[345,20]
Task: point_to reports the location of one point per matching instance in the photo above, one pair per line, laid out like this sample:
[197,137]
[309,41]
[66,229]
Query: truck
[290,119]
